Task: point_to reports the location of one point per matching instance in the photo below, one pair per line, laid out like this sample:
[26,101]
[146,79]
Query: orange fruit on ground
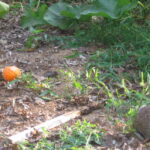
[10,73]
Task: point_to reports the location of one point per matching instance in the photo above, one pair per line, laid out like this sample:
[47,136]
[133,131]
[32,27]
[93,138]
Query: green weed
[128,99]
[34,39]
[123,97]
[30,82]
[93,77]
[76,80]
[81,134]
[43,144]
[33,14]
[44,88]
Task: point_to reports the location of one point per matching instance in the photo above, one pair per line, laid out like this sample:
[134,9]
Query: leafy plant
[44,87]
[34,39]
[107,60]
[4,8]
[75,80]
[43,144]
[93,75]
[64,15]
[53,15]
[126,100]
[123,97]
[30,82]
[33,14]
[126,45]
[82,133]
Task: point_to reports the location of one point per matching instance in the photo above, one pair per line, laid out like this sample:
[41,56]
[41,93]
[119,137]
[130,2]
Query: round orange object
[10,73]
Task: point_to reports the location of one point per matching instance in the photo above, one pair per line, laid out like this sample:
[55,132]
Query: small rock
[3,42]
[51,74]
[72,63]
[142,122]
[39,101]
[92,98]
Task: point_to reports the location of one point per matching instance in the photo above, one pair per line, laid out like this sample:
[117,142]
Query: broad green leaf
[54,17]
[4,8]
[72,12]
[76,12]
[33,17]
[64,15]
[113,8]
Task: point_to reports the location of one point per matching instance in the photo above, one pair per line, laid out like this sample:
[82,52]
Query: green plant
[93,75]
[123,97]
[44,88]
[4,8]
[33,39]
[79,136]
[42,144]
[87,147]
[126,100]
[64,15]
[30,82]
[126,44]
[76,80]
[107,61]
[82,133]
[73,55]
[33,14]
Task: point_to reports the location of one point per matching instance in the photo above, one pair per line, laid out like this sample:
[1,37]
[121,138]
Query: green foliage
[127,44]
[76,80]
[93,75]
[43,144]
[4,8]
[33,14]
[44,88]
[80,134]
[127,102]
[107,61]
[73,55]
[64,15]
[34,39]
[123,97]
[29,81]
[114,8]
[53,15]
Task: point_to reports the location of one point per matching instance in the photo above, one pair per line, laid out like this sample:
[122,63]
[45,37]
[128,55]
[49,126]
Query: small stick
[22,136]
[26,134]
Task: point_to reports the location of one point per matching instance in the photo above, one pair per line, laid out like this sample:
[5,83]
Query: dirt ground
[21,108]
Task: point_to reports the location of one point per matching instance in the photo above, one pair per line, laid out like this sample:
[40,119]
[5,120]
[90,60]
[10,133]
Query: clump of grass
[127,44]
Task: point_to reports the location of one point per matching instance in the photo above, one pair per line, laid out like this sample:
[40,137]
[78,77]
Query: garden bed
[22,105]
